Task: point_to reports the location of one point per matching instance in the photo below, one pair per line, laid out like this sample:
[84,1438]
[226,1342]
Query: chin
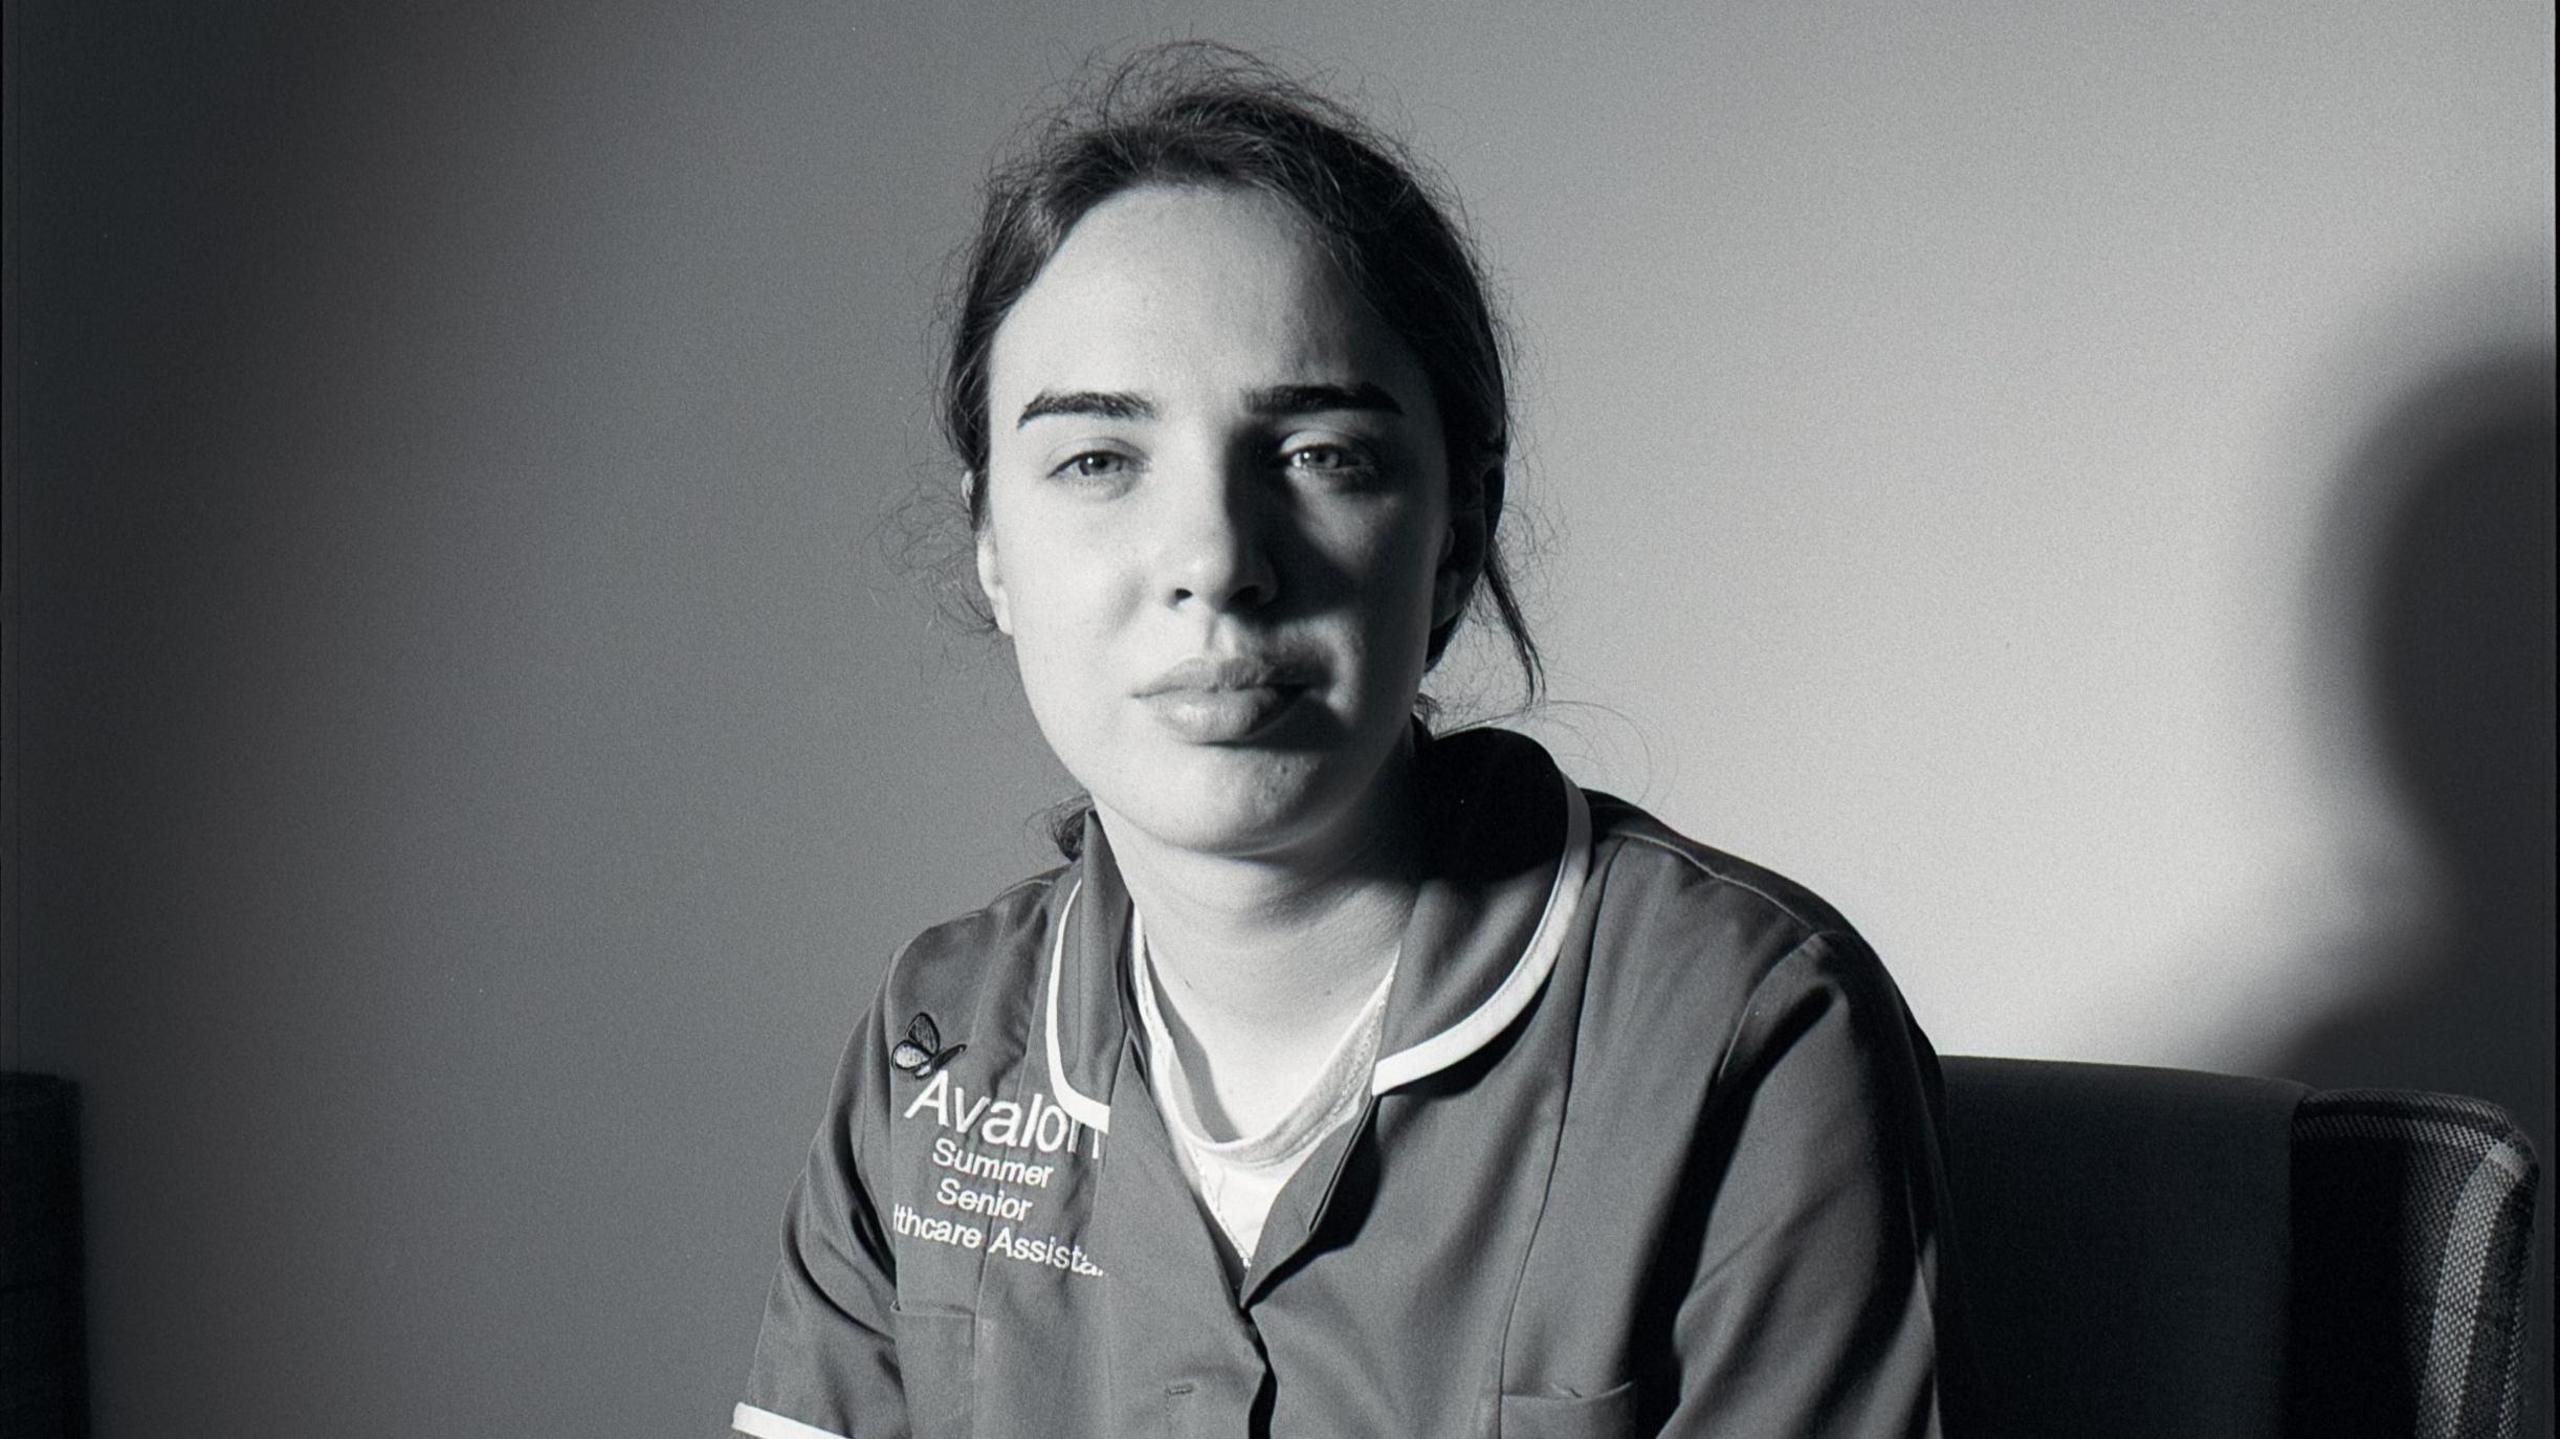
[1227,802]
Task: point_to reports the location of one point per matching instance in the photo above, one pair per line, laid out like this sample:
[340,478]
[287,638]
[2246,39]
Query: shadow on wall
[2447,558]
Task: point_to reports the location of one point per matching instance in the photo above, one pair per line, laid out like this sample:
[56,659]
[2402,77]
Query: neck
[1258,956]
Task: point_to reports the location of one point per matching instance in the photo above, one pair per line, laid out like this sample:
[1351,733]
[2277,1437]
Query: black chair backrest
[2165,1252]
[2123,1238]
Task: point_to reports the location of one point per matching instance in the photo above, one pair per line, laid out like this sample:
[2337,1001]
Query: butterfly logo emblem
[921,1052]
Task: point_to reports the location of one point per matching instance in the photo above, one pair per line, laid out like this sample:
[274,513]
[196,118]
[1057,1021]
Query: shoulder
[1646,873]
[956,966]
[1688,936]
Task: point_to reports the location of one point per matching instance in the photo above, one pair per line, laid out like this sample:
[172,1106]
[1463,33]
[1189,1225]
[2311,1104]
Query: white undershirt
[1237,1179]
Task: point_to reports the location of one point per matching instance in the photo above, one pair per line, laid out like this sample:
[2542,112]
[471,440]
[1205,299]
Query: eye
[1091,465]
[1324,457]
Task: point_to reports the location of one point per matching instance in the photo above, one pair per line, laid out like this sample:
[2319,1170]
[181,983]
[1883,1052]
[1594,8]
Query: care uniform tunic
[1651,1146]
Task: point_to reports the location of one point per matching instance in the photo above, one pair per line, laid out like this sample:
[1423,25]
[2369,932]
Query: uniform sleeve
[826,1363]
[1819,1304]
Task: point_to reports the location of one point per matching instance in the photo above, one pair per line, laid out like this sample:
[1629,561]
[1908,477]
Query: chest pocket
[937,1360]
[1609,1414]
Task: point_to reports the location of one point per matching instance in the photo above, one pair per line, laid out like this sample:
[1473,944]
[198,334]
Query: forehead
[1193,289]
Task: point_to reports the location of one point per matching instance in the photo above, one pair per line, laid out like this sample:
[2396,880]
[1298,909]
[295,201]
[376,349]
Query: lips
[1224,701]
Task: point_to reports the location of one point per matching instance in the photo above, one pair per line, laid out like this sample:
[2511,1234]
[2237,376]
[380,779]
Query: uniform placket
[1185,1359]
[1299,1211]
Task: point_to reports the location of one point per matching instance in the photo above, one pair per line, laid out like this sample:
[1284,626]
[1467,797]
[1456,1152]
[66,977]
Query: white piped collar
[1508,853]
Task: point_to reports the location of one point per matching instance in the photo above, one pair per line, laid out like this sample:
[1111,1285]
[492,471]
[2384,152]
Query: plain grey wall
[476,745]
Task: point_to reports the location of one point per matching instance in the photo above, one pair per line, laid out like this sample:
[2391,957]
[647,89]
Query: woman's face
[1218,526]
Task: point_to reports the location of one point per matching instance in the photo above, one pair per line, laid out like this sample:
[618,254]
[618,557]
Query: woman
[1348,1080]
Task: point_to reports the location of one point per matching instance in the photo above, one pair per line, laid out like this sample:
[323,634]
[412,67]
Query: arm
[1816,1305]
[827,1352]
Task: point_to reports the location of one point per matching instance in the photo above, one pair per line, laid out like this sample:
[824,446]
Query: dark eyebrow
[1092,404]
[1282,400]
[1270,403]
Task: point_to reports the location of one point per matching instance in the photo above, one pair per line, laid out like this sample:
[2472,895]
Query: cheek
[1058,665]
[1059,598]
[1387,605]
[1401,573]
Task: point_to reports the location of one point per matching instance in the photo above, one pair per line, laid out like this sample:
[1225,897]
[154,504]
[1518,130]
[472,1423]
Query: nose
[1215,546]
